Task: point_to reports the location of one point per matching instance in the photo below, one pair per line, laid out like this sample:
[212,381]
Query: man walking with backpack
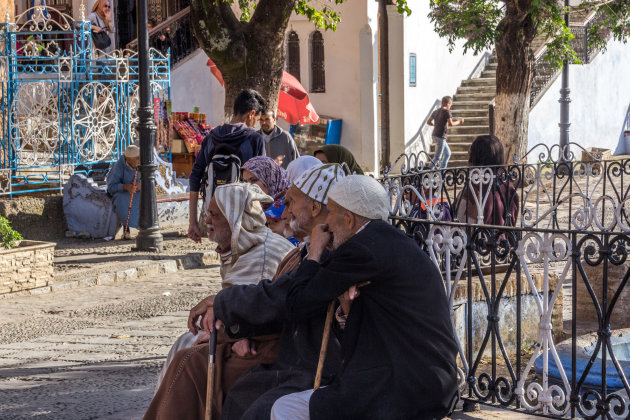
[224,150]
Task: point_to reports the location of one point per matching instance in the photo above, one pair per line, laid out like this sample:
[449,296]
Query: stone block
[90,281]
[65,286]
[148,270]
[128,274]
[105,278]
[168,266]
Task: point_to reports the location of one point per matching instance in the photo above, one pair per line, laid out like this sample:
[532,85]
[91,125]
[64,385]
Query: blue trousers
[442,152]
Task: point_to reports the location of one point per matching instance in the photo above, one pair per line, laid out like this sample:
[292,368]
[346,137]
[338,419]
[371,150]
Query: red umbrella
[294,104]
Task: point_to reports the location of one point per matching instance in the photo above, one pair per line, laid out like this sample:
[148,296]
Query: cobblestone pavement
[93,353]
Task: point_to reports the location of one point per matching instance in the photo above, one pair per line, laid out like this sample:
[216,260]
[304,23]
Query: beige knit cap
[316,182]
[362,195]
[132,151]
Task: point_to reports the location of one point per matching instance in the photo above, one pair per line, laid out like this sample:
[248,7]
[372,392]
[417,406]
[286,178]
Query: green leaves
[323,18]
[8,237]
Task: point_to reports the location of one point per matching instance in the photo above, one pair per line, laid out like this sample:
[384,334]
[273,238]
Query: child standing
[439,120]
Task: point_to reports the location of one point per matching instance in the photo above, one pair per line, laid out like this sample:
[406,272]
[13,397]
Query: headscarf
[255,250]
[317,182]
[270,174]
[338,154]
[362,195]
[300,165]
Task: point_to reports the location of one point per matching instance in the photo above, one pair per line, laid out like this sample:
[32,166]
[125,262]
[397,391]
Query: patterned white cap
[132,151]
[362,195]
[316,182]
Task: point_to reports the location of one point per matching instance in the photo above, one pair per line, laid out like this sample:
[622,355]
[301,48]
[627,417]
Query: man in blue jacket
[236,137]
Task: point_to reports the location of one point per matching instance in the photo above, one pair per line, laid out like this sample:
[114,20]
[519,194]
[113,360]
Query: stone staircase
[474,95]
[470,102]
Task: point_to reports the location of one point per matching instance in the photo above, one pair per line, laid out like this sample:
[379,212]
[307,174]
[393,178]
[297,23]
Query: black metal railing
[535,264]
[174,35]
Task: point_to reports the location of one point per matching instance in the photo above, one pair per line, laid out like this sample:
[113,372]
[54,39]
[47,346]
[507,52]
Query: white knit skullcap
[300,165]
[362,195]
[132,151]
[316,182]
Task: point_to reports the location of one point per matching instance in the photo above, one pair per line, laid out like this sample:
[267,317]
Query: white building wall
[192,84]
[438,72]
[342,59]
[600,94]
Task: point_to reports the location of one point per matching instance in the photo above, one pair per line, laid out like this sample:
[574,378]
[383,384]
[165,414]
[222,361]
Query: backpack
[224,168]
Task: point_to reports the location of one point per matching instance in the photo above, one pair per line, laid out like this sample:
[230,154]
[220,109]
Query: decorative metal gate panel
[64,106]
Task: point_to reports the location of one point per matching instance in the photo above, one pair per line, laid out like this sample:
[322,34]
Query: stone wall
[28,266]
[530,317]
[586,308]
[39,218]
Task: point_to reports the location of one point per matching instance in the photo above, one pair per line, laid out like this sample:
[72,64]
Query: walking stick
[210,384]
[325,336]
[322,350]
[130,203]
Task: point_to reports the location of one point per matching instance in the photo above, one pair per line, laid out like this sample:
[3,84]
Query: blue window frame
[412,69]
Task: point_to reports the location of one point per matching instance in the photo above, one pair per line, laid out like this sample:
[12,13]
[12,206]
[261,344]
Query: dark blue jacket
[245,140]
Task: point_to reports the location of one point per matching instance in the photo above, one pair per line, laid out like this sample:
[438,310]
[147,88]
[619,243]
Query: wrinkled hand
[320,240]
[205,310]
[132,188]
[194,232]
[244,348]
[345,300]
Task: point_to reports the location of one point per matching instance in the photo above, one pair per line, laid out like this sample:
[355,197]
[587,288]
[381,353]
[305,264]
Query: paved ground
[93,353]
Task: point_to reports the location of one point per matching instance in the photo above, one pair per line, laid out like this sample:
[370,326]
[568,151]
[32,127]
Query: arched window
[318,75]
[293,54]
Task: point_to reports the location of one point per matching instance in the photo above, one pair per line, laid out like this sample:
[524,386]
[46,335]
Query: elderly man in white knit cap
[398,345]
[256,312]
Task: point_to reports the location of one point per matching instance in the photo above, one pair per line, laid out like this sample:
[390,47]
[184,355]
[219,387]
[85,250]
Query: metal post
[149,238]
[564,99]
[383,81]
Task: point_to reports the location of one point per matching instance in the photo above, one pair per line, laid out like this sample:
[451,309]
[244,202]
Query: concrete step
[492,65]
[489,73]
[468,129]
[479,105]
[455,147]
[462,138]
[477,96]
[458,163]
[471,113]
[474,121]
[476,89]
[480,81]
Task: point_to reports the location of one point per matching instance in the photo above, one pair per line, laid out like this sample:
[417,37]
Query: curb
[185,262]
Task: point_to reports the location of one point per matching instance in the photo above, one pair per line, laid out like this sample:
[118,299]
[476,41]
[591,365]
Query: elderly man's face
[297,209]
[339,222]
[218,227]
[133,162]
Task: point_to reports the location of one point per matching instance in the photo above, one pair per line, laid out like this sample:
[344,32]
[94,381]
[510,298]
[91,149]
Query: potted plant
[9,238]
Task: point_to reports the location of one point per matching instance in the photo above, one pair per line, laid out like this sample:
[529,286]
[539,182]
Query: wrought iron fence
[65,106]
[531,254]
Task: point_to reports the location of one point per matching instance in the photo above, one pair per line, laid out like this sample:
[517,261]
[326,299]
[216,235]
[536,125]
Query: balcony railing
[174,36]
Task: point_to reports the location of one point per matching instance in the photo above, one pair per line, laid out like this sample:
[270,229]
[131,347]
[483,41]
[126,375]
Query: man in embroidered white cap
[253,311]
[398,345]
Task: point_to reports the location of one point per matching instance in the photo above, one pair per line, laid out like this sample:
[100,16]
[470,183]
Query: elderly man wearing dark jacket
[279,145]
[398,346]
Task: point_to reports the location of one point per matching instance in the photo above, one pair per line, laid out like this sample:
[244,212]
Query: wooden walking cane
[210,384]
[130,203]
[325,337]
[322,350]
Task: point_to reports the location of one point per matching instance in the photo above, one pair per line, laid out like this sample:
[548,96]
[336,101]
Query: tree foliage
[480,22]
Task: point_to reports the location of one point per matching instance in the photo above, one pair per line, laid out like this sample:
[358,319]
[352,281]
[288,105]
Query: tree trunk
[250,55]
[515,70]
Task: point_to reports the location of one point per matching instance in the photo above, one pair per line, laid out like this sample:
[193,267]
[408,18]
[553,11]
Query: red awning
[294,104]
